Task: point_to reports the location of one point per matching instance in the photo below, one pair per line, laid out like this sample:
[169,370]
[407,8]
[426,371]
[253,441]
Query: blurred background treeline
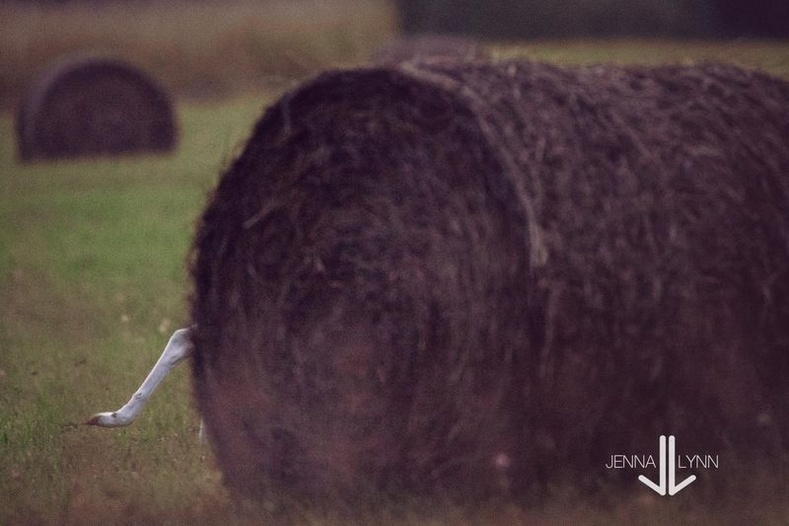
[528,19]
[552,18]
[212,49]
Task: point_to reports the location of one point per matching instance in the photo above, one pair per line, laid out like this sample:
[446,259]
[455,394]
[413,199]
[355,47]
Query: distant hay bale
[466,279]
[86,106]
[428,46]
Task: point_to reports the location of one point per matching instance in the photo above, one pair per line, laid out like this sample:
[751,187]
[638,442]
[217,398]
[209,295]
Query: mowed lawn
[93,279]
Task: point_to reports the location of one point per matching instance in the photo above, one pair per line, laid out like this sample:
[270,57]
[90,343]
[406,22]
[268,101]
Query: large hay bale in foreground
[466,278]
[86,106]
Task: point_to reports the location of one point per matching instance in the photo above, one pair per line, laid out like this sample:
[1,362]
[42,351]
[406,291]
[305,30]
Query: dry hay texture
[428,46]
[469,279]
[89,105]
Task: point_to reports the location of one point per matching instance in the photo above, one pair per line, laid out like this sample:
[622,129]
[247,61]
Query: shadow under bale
[87,106]
[466,279]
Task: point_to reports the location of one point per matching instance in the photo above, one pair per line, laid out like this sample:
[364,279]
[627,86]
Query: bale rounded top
[92,105]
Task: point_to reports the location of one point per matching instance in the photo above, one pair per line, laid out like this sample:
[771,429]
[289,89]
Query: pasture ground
[93,281]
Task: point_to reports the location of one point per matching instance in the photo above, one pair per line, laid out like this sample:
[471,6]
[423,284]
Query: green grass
[93,280]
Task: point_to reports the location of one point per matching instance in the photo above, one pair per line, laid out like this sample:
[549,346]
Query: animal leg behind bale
[178,348]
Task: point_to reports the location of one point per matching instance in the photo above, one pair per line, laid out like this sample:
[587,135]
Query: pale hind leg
[178,348]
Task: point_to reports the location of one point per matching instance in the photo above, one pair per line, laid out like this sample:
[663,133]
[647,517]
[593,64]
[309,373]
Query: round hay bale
[87,106]
[421,47]
[468,278]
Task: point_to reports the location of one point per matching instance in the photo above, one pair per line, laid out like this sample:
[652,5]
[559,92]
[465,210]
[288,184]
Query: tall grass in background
[213,49]
[771,56]
[198,49]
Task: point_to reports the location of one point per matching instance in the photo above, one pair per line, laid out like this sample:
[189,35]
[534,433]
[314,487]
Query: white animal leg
[178,348]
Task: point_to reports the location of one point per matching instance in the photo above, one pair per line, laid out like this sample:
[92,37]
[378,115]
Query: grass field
[93,280]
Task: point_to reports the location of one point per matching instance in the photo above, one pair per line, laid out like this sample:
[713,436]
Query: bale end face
[360,346]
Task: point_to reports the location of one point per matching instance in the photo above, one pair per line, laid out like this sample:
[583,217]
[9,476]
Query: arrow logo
[668,466]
